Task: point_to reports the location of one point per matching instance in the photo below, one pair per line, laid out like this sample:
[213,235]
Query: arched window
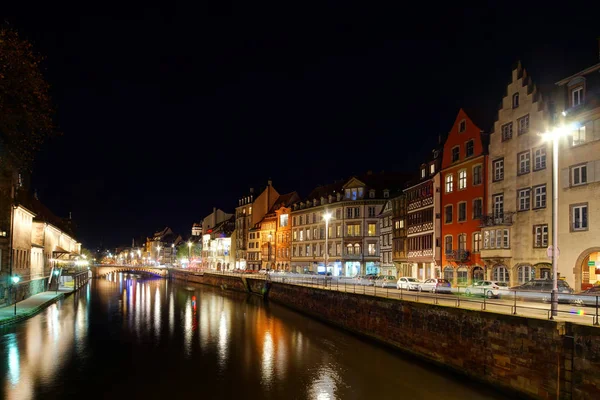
[357,248]
[545,273]
[462,275]
[349,249]
[449,274]
[515,100]
[501,274]
[525,273]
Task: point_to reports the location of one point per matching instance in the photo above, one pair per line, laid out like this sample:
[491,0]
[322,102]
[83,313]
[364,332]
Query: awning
[59,251]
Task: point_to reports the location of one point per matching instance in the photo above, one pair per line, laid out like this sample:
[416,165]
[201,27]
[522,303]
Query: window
[371,230]
[448,244]
[477,175]
[578,136]
[539,158]
[500,274]
[469,148]
[338,231]
[462,126]
[295,235]
[496,239]
[397,225]
[524,199]
[577,96]
[283,220]
[523,124]
[579,217]
[579,175]
[477,208]
[462,179]
[386,194]
[432,169]
[356,212]
[462,212]
[372,249]
[507,131]
[540,235]
[448,213]
[498,205]
[449,183]
[498,169]
[371,211]
[524,162]
[462,241]
[525,273]
[539,193]
[515,100]
[349,212]
[423,172]
[476,242]
[301,235]
[371,194]
[455,153]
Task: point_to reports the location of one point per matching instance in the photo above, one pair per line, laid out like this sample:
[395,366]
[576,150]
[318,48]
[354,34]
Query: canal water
[135,337]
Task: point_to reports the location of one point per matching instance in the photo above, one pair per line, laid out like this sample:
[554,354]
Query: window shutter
[564,176]
[591,171]
[596,134]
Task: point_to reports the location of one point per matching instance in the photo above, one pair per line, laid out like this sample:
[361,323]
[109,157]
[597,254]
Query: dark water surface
[139,338]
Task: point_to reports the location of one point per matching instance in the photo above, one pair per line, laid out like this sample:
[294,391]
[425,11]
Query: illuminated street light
[554,136]
[15,279]
[327,217]
[56,273]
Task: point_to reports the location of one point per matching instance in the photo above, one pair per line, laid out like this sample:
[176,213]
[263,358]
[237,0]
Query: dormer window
[348,193]
[432,169]
[338,196]
[372,194]
[515,100]
[577,96]
[423,172]
[314,202]
[462,126]
[386,194]
[360,193]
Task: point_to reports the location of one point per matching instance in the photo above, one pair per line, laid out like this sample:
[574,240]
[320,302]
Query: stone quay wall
[532,358]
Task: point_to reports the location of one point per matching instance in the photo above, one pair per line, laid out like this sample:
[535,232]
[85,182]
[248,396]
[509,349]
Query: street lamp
[554,136]
[15,279]
[56,273]
[327,217]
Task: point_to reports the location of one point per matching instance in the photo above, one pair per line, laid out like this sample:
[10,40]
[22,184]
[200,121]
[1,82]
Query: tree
[25,107]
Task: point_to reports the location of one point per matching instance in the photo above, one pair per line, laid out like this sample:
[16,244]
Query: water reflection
[231,345]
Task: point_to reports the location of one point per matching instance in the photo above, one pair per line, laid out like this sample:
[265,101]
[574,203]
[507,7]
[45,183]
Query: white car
[488,289]
[435,285]
[408,283]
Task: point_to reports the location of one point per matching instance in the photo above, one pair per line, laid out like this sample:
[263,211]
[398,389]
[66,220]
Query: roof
[586,71]
[42,213]
[284,200]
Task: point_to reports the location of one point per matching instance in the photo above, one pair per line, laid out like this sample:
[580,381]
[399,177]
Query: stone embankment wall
[533,358]
[24,290]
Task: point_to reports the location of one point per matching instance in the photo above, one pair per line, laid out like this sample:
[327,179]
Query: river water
[134,337]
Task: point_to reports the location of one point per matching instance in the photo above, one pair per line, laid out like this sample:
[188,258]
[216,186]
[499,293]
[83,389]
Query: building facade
[216,246]
[423,228]
[578,98]
[399,240]
[249,212]
[518,224]
[464,193]
[386,239]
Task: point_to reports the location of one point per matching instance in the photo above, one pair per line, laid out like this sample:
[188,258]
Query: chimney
[270,182]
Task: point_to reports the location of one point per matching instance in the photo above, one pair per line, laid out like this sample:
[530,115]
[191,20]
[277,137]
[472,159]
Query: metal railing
[573,308]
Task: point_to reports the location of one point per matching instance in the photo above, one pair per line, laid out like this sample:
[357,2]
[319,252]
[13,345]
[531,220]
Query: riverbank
[534,358]
[31,306]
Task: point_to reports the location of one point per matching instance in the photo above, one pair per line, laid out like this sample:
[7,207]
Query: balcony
[458,255]
[505,218]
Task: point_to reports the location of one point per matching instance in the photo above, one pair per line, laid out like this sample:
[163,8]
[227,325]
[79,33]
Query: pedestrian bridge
[103,270]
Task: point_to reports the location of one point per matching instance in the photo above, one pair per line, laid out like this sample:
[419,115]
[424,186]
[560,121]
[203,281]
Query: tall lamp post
[15,279]
[554,136]
[327,217]
[56,273]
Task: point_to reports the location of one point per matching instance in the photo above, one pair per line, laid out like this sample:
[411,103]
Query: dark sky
[171,108]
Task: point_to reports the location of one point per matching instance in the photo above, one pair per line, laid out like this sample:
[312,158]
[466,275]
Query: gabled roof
[42,213]
[284,200]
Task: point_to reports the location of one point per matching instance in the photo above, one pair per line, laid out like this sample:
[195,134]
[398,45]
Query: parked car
[367,280]
[435,285]
[540,290]
[488,289]
[587,297]
[386,281]
[408,283]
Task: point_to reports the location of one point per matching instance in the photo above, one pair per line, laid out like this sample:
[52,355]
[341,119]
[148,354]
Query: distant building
[162,247]
[386,239]
[216,246]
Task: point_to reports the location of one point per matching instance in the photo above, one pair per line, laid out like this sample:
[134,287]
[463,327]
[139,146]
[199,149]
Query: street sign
[591,263]
[550,251]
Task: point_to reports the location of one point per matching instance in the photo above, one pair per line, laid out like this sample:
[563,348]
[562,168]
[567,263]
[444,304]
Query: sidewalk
[31,305]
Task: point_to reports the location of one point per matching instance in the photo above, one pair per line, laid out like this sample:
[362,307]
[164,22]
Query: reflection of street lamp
[554,136]
[56,273]
[15,279]
[327,217]
[189,252]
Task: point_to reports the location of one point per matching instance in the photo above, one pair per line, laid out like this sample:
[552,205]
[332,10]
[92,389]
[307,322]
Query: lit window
[462,179]
[577,96]
[449,183]
[283,220]
[578,136]
[372,231]
[432,169]
[423,172]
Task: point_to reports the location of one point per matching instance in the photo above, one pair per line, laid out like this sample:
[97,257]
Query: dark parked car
[587,297]
[540,289]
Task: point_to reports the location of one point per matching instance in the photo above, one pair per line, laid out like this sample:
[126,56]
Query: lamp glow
[15,279]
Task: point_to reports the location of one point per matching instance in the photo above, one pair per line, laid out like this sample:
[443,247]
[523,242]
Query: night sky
[169,109]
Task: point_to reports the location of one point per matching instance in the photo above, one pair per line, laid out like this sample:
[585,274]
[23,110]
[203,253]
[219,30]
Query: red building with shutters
[464,191]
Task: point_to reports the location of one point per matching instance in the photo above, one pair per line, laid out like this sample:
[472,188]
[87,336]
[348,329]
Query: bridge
[103,270]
